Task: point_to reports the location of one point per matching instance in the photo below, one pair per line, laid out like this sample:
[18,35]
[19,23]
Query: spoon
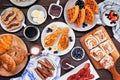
[70,65]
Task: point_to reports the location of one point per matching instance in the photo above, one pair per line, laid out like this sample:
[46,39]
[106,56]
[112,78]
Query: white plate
[37,64]
[23,4]
[92,71]
[70,34]
[4,26]
[70,4]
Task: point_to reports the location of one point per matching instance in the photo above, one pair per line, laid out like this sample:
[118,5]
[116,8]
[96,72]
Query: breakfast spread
[45,70]
[12,18]
[58,39]
[82,12]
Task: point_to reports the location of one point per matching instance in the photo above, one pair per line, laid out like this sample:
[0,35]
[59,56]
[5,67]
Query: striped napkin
[114,5]
[29,75]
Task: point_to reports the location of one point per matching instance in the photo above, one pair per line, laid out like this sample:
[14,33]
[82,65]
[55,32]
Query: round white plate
[36,64]
[70,34]
[23,4]
[4,26]
[70,4]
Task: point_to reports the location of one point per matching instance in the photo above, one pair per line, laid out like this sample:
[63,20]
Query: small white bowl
[107,21]
[36,7]
[77,59]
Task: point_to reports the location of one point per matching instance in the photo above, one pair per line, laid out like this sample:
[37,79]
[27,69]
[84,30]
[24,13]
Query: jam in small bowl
[77,53]
[64,63]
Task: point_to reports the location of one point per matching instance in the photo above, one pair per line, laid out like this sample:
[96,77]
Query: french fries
[45,70]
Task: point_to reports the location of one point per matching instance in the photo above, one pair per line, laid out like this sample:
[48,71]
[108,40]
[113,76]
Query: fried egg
[35,13]
[38,16]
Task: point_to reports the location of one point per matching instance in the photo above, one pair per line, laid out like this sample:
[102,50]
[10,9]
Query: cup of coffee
[31,32]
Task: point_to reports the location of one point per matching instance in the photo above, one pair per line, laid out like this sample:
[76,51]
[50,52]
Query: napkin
[114,5]
[28,74]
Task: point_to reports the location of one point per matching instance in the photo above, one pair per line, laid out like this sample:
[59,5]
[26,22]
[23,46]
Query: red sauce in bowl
[63,63]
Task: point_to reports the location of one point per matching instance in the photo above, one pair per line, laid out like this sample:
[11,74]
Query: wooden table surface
[104,74]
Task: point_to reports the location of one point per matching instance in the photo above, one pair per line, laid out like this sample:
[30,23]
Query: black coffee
[31,32]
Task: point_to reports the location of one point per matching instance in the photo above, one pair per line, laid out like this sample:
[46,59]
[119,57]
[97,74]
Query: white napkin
[28,74]
[114,5]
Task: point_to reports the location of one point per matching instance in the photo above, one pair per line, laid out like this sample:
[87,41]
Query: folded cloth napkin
[113,5]
[28,73]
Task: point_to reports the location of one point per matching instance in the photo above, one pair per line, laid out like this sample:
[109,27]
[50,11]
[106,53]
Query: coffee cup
[31,32]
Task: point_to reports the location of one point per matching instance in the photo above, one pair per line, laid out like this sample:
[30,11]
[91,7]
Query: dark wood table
[104,74]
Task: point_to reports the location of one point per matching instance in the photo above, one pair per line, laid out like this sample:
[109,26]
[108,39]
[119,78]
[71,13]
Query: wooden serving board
[15,42]
[114,54]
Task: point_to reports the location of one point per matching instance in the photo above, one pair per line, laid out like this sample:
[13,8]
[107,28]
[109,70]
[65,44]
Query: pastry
[14,25]
[8,16]
[8,63]
[51,38]
[5,43]
[100,35]
[93,5]
[97,53]
[19,14]
[107,46]
[89,16]
[81,17]
[72,14]
[107,62]
[91,42]
[63,41]
[17,54]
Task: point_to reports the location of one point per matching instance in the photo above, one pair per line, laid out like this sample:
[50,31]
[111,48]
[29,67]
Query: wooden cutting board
[115,54]
[15,42]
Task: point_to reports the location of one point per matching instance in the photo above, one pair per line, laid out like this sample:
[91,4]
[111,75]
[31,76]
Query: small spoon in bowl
[70,65]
